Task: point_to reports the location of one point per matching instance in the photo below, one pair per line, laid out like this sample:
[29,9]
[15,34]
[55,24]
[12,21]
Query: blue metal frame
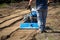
[29,26]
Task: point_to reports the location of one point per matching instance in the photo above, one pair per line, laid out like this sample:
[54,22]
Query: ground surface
[11,17]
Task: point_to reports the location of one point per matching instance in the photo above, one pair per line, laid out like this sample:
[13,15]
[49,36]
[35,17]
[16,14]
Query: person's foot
[44,31]
[39,31]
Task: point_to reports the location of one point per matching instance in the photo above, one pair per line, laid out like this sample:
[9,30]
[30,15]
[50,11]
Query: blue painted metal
[29,26]
[33,14]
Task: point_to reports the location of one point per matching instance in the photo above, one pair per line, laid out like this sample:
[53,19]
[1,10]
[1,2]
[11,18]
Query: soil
[11,17]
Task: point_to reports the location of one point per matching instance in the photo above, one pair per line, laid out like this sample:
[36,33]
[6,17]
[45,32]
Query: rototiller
[30,20]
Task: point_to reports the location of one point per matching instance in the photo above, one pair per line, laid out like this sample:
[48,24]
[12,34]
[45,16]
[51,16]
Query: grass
[3,5]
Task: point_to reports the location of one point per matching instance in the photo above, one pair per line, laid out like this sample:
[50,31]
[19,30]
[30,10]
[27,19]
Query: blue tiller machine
[30,20]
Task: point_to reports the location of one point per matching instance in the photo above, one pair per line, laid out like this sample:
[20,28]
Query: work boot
[40,31]
[44,31]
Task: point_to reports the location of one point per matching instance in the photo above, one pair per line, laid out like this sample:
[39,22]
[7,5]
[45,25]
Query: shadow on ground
[50,30]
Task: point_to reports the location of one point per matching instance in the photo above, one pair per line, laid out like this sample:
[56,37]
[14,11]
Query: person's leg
[44,15]
[40,19]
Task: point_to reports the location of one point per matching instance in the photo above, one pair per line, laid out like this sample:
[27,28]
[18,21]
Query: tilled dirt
[11,23]
[10,29]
